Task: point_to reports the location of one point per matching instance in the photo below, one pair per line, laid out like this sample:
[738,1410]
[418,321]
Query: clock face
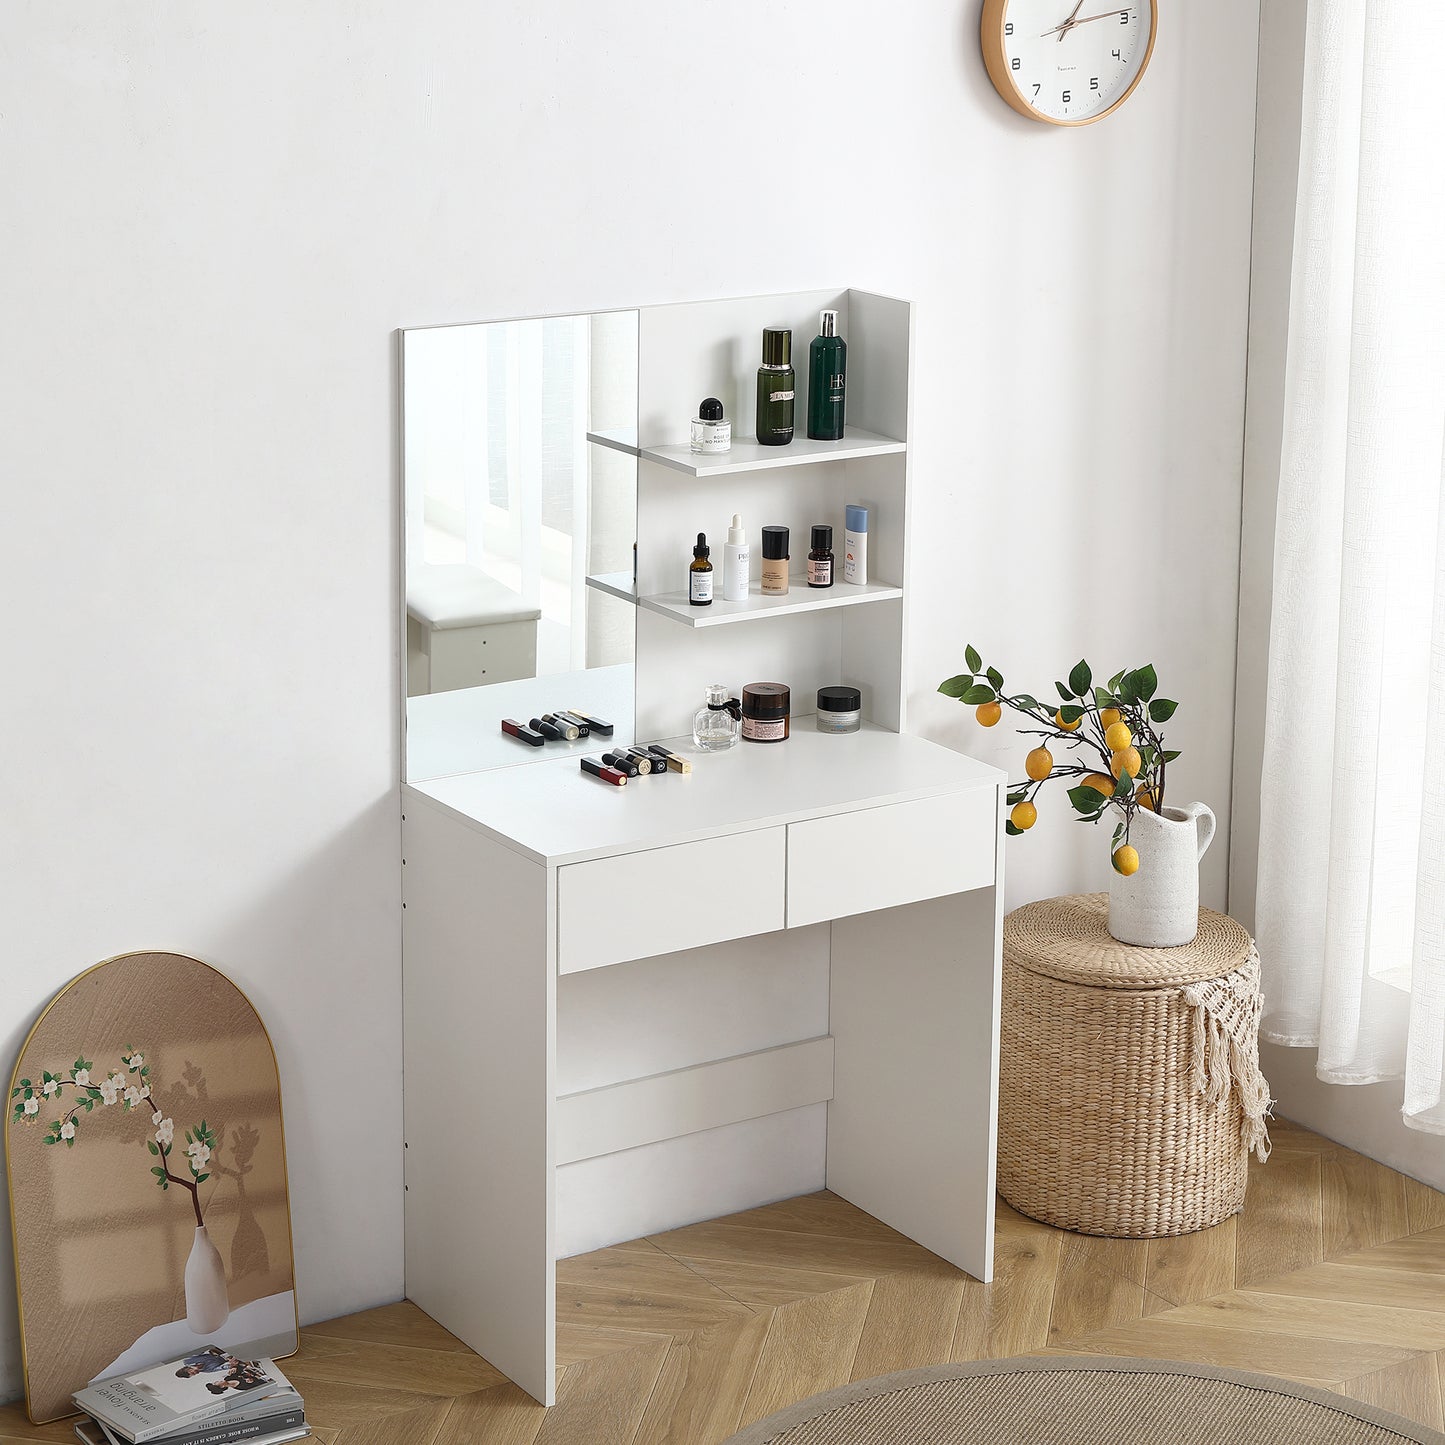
[1067,62]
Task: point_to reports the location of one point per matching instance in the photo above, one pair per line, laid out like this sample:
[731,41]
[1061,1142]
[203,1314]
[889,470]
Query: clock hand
[1065,27]
[1070,23]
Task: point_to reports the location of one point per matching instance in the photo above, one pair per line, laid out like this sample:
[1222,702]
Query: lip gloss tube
[622,763]
[595,723]
[550,731]
[562,719]
[607,774]
[514,729]
[674,762]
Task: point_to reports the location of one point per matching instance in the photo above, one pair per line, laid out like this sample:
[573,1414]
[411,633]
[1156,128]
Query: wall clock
[1066,62]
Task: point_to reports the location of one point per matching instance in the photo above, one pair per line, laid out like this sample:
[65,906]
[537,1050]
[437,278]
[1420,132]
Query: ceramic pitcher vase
[1158,907]
[207,1304]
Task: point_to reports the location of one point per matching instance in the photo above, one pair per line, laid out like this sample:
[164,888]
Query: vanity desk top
[553,813]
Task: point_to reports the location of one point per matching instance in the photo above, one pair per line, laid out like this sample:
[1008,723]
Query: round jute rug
[1103,1401]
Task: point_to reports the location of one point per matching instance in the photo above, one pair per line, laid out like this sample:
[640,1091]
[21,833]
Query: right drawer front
[882,857]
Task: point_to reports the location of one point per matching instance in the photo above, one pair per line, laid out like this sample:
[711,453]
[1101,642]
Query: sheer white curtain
[1351,901]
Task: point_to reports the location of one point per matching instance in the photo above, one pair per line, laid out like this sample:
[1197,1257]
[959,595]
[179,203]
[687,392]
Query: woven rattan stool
[1129,1086]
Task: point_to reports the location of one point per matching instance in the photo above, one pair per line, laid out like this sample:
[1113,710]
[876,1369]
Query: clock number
[1093,82]
[1037,87]
[1008,28]
[1123,17]
[1067,97]
[1015,63]
[1117,56]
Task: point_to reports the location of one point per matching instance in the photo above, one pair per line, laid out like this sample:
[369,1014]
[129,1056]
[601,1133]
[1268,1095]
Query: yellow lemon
[1145,799]
[1108,716]
[1024,816]
[1126,760]
[1117,737]
[1065,726]
[1039,764]
[1126,861]
[1100,784]
[988,713]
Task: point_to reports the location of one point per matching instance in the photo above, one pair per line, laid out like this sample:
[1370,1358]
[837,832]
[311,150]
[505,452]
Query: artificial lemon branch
[1117,722]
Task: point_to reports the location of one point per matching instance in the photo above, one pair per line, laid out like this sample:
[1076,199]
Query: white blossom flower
[109,1088]
[67,1129]
[157,1117]
[136,1060]
[49,1087]
[165,1132]
[82,1078]
[145,1091]
[133,1095]
[199,1151]
[32,1106]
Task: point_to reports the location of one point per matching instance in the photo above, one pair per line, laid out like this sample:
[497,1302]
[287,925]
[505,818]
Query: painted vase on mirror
[1158,907]
[208,1306]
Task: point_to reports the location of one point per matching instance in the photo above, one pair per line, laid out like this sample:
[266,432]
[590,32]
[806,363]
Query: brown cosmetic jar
[765,712]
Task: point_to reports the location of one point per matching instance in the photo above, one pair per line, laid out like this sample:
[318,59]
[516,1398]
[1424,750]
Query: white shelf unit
[776,973]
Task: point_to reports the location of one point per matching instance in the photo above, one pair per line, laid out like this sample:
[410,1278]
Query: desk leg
[480,1027]
[913,1123]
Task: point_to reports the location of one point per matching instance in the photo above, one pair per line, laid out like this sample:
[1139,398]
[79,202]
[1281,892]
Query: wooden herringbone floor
[1334,1274]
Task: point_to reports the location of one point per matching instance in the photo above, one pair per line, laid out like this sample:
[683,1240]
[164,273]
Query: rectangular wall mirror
[509,509]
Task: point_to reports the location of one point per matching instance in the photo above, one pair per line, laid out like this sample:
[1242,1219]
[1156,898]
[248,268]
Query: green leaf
[1128,688]
[956,686]
[996,678]
[1080,677]
[13,1092]
[1146,681]
[1064,693]
[971,658]
[1118,834]
[1171,754]
[1161,709]
[1086,799]
[1114,681]
[201,1178]
[980,692]
[1026,700]
[1011,830]
[151,1145]
[49,1139]
[1072,712]
[1017,796]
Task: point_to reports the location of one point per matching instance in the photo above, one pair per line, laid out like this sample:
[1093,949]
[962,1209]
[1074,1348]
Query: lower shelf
[687,1101]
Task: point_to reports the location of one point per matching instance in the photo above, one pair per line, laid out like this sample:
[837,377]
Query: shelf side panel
[880,353]
[479,1002]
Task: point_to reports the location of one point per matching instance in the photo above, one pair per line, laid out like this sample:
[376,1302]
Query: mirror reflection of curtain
[498,468]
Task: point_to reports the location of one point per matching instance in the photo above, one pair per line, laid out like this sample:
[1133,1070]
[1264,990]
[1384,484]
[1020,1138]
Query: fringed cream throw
[1226,1047]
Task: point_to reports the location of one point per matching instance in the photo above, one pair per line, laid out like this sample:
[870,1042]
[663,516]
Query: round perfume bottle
[712,432]
[715,728]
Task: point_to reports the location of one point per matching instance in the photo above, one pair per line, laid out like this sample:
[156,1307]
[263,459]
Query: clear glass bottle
[715,728]
[712,432]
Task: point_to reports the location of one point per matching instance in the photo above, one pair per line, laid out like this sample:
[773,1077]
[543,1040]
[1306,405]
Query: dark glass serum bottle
[775,388]
[827,381]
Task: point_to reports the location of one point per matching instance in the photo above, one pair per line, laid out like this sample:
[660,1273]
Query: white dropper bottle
[737,559]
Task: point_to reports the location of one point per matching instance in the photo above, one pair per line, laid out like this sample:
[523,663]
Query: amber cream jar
[765,712]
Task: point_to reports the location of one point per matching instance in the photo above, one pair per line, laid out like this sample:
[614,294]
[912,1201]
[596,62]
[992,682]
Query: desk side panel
[913,1123]
[480,1066]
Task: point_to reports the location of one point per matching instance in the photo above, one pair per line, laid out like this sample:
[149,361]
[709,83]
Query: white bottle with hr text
[737,563]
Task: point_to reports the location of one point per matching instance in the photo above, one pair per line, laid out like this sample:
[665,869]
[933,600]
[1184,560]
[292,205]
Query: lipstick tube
[675,763]
[564,719]
[550,731]
[606,773]
[645,761]
[570,728]
[514,729]
[603,729]
[622,763]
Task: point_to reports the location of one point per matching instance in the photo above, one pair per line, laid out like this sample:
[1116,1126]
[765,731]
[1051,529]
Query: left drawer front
[640,904]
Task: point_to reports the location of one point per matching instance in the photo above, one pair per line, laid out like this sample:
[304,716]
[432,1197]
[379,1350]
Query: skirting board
[687,1101]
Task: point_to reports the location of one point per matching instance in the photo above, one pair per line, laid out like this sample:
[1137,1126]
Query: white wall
[1367,1117]
[214,217]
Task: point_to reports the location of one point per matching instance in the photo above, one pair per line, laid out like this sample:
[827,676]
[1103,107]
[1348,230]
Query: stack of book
[205,1398]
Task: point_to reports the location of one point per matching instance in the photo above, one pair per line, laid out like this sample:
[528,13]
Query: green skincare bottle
[827,381]
[775,388]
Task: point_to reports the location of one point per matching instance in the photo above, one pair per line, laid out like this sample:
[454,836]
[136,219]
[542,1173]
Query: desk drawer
[640,904]
[881,857]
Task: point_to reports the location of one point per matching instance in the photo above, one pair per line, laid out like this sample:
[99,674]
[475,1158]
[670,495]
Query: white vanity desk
[877,851]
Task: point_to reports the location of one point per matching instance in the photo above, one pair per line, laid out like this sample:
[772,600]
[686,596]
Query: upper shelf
[749,456]
[798,598]
[620,440]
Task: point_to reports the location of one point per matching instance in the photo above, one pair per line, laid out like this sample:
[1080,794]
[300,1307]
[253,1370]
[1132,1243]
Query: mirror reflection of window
[508,506]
